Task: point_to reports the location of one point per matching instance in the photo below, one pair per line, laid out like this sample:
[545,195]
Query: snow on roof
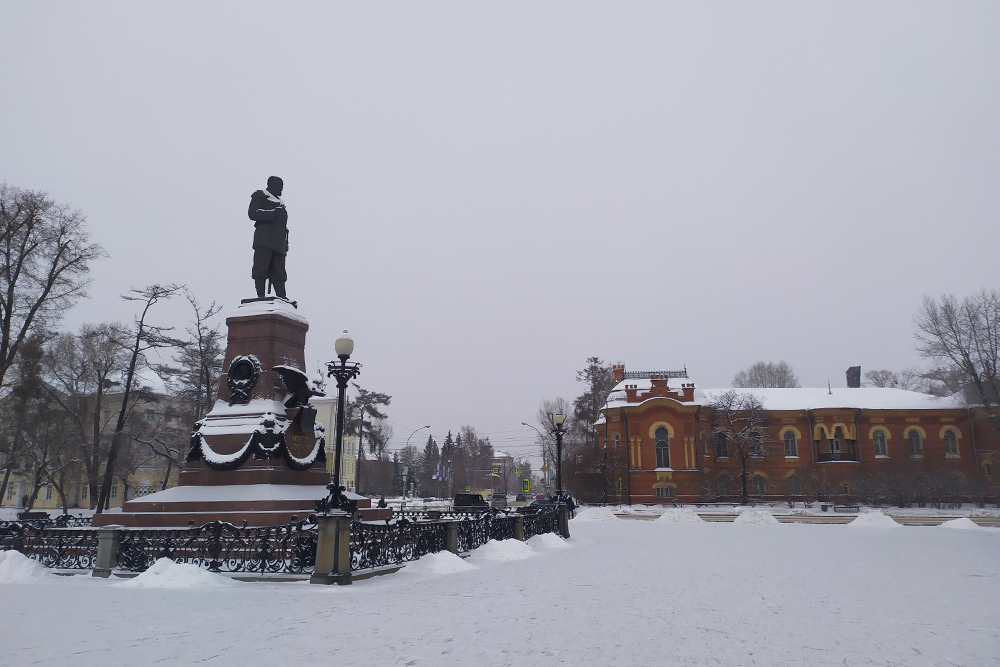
[812,398]
[277,307]
[805,398]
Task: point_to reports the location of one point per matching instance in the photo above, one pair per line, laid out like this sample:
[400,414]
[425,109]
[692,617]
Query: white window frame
[884,444]
[794,442]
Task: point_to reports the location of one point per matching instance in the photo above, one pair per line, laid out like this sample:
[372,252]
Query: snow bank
[755,517]
[985,513]
[596,514]
[165,573]
[680,515]
[503,550]
[442,562]
[875,519]
[801,511]
[16,568]
[547,541]
[962,523]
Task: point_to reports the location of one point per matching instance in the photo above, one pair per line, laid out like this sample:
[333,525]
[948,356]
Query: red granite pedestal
[260,491]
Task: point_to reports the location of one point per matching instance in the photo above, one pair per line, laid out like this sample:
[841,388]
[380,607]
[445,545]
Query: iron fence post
[563,520]
[519,527]
[451,536]
[333,549]
[108,541]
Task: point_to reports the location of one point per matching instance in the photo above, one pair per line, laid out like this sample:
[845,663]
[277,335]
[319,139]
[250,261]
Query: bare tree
[80,371]
[45,253]
[909,379]
[963,339]
[146,337]
[766,374]
[740,418]
[14,415]
[195,378]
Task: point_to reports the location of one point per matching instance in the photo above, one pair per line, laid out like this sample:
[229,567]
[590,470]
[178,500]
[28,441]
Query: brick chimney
[618,370]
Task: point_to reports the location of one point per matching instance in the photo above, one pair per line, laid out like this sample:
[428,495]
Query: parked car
[537,505]
[469,501]
[521,497]
[498,500]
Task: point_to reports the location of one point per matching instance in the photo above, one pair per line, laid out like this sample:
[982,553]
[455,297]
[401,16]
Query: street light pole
[343,372]
[558,420]
[541,442]
[410,478]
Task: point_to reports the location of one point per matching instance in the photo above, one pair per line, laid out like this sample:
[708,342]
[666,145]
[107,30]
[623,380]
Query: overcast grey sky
[485,194]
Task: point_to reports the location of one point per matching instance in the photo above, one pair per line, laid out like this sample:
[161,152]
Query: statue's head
[274,185]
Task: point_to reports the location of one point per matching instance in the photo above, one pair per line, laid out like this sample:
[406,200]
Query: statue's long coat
[270,223]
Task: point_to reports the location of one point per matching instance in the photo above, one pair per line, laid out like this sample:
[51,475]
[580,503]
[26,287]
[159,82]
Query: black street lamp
[343,371]
[558,420]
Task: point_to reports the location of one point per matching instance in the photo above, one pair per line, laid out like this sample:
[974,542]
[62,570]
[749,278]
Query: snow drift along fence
[286,549]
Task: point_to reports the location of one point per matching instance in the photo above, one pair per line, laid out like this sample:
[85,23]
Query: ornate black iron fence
[545,520]
[223,547]
[61,548]
[286,549]
[374,545]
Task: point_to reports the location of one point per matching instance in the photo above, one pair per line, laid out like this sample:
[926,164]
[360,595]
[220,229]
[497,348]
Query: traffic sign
[496,470]
[545,468]
[468,488]
[517,470]
[527,485]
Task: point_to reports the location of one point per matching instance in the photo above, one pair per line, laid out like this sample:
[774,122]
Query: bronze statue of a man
[270,237]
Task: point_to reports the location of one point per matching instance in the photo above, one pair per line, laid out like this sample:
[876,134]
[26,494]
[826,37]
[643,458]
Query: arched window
[793,485]
[757,444]
[662,447]
[721,445]
[48,492]
[950,443]
[724,489]
[916,446]
[758,485]
[835,441]
[114,489]
[878,437]
[791,446]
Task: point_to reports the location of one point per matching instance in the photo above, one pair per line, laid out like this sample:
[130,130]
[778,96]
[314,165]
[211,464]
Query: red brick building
[660,446]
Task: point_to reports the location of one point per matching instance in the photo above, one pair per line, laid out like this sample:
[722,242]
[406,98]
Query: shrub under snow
[755,517]
[596,514]
[680,515]
[875,519]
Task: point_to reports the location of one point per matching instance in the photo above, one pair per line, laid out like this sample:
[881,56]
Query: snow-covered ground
[619,592]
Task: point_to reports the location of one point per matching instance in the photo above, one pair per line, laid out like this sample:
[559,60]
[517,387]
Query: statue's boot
[279,289]
[260,283]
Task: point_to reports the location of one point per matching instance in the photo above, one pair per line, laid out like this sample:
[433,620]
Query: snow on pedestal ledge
[275,307]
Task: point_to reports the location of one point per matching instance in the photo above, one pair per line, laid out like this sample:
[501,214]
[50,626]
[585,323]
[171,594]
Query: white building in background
[326,414]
